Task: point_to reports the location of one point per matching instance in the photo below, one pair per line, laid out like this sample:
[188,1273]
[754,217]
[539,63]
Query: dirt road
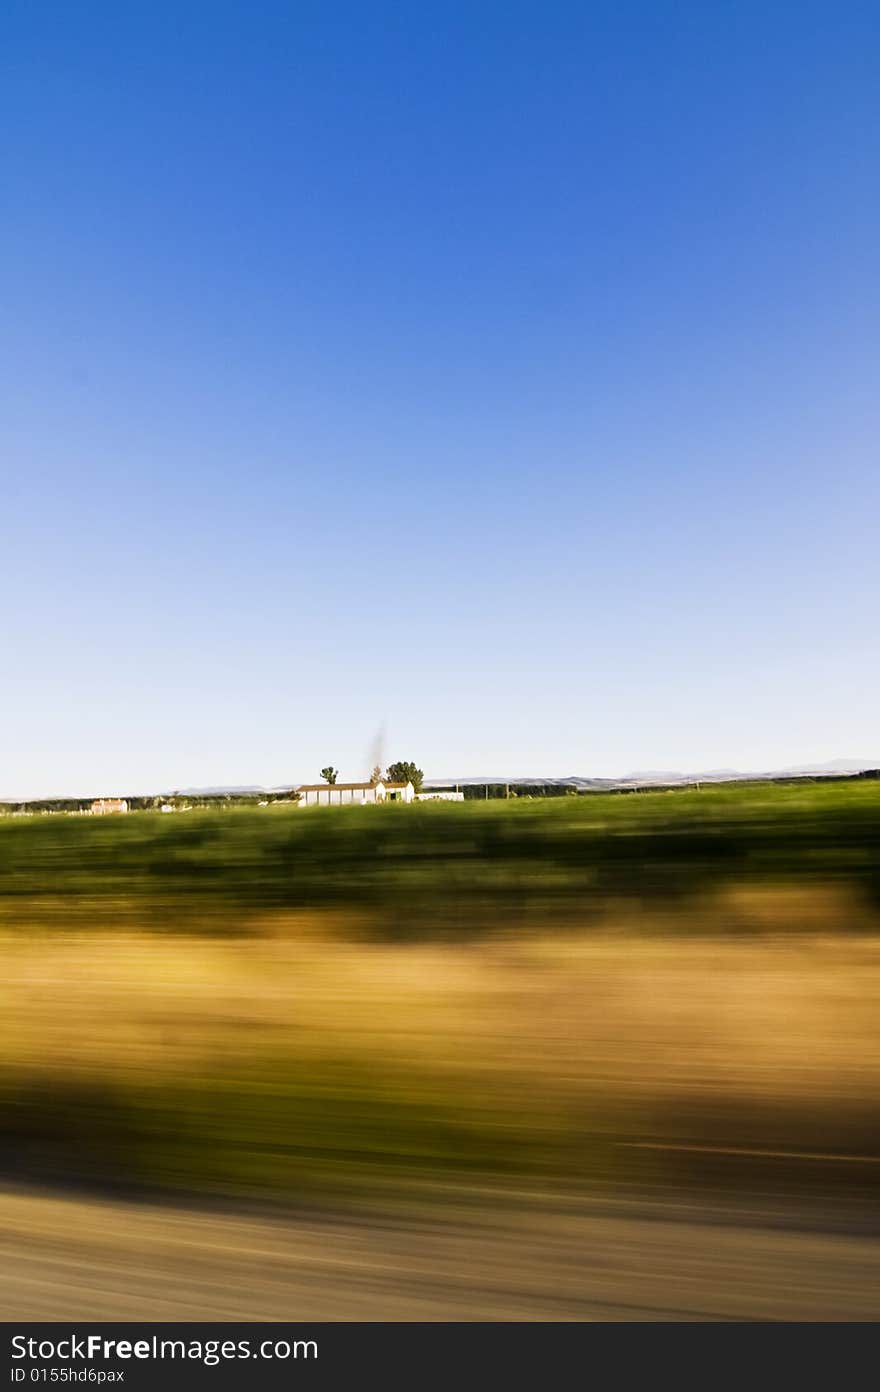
[75,1257]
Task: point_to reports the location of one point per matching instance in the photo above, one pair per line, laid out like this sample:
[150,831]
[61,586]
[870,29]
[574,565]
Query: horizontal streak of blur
[293,1061]
[450,868]
[623,995]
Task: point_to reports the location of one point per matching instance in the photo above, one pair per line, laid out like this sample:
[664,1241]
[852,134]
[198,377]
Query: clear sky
[502,373]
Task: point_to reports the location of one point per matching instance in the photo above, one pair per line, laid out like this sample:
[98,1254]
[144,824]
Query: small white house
[101,806]
[353,794]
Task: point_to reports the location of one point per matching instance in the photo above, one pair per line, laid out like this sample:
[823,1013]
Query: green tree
[330,773]
[405,772]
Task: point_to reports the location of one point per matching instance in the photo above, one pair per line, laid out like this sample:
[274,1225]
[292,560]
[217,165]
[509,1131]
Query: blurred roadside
[480,1258]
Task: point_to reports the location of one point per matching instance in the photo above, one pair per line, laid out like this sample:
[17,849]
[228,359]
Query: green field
[439,868]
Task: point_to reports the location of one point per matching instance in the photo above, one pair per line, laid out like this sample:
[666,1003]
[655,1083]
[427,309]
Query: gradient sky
[505,374]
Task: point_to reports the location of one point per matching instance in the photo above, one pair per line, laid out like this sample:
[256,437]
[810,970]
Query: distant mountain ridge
[646,778]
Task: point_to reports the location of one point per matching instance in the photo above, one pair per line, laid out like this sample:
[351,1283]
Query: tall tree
[404,771]
[329,773]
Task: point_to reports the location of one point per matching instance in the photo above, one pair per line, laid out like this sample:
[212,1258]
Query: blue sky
[502,374]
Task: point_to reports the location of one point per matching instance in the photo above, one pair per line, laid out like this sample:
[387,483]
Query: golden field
[304,1057]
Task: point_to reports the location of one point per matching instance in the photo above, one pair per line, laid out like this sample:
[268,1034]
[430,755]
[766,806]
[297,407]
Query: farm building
[353,794]
[103,805]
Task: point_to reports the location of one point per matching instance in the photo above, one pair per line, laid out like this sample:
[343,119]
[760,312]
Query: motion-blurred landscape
[494,1025]
[493,385]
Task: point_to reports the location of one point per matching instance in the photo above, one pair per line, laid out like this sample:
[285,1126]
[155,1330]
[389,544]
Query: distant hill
[232,790]
[668,778]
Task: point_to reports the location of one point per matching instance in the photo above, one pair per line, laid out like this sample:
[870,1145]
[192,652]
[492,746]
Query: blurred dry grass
[306,1055]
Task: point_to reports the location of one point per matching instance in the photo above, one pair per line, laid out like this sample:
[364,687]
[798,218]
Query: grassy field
[439,869]
[665,989]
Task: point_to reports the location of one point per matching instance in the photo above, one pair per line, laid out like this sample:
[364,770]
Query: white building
[440,795]
[353,794]
[101,806]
